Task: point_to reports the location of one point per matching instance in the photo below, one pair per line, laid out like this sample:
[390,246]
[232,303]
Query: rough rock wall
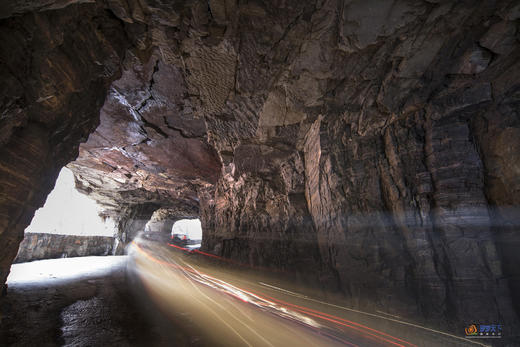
[55,68]
[396,123]
[372,145]
[163,219]
[37,246]
[131,221]
[148,147]
[61,62]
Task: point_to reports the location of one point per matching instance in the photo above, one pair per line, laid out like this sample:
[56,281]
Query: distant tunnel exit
[187,233]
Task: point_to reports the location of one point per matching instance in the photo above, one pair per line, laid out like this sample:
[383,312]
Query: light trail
[283,290]
[235,293]
[337,320]
[238,294]
[388,314]
[310,318]
[395,320]
[279,307]
[244,324]
[226,260]
[385,318]
[216,315]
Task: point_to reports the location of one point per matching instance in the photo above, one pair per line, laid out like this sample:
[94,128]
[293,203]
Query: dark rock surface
[55,67]
[37,246]
[371,146]
[90,308]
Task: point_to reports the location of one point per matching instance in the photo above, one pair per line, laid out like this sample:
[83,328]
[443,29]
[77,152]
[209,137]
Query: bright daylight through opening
[190,227]
[68,212]
[260,173]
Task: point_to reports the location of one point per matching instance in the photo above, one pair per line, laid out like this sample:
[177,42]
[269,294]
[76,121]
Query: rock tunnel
[368,147]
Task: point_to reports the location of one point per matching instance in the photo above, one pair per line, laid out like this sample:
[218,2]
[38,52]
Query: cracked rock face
[149,150]
[149,147]
[371,147]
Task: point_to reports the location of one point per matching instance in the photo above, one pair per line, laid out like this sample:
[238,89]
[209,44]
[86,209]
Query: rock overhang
[275,123]
[146,149]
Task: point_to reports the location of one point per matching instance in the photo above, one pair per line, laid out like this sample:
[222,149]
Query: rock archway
[373,149]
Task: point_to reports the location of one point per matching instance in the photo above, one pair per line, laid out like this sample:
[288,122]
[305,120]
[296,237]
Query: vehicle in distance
[184,240]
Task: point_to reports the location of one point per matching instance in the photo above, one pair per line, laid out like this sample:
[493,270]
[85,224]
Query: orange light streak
[366,331]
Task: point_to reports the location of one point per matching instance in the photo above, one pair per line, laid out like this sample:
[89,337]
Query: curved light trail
[229,308]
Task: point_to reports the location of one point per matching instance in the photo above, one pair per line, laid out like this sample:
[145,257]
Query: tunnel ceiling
[149,146]
[370,146]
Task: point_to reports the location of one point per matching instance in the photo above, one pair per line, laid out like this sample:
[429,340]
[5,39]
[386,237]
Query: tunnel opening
[165,222]
[187,233]
[282,135]
[70,224]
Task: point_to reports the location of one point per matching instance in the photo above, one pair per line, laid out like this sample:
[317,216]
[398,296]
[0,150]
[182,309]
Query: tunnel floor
[164,296]
[78,302]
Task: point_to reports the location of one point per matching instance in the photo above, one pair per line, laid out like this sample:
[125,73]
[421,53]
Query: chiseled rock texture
[370,147]
[163,219]
[56,67]
[37,246]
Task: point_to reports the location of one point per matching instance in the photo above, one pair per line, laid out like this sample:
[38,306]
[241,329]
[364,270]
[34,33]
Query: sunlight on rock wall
[69,212]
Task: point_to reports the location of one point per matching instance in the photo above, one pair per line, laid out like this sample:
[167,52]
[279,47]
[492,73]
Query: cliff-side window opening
[68,212]
[354,166]
[68,225]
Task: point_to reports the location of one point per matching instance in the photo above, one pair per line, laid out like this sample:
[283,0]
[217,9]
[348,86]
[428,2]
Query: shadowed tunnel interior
[366,152]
